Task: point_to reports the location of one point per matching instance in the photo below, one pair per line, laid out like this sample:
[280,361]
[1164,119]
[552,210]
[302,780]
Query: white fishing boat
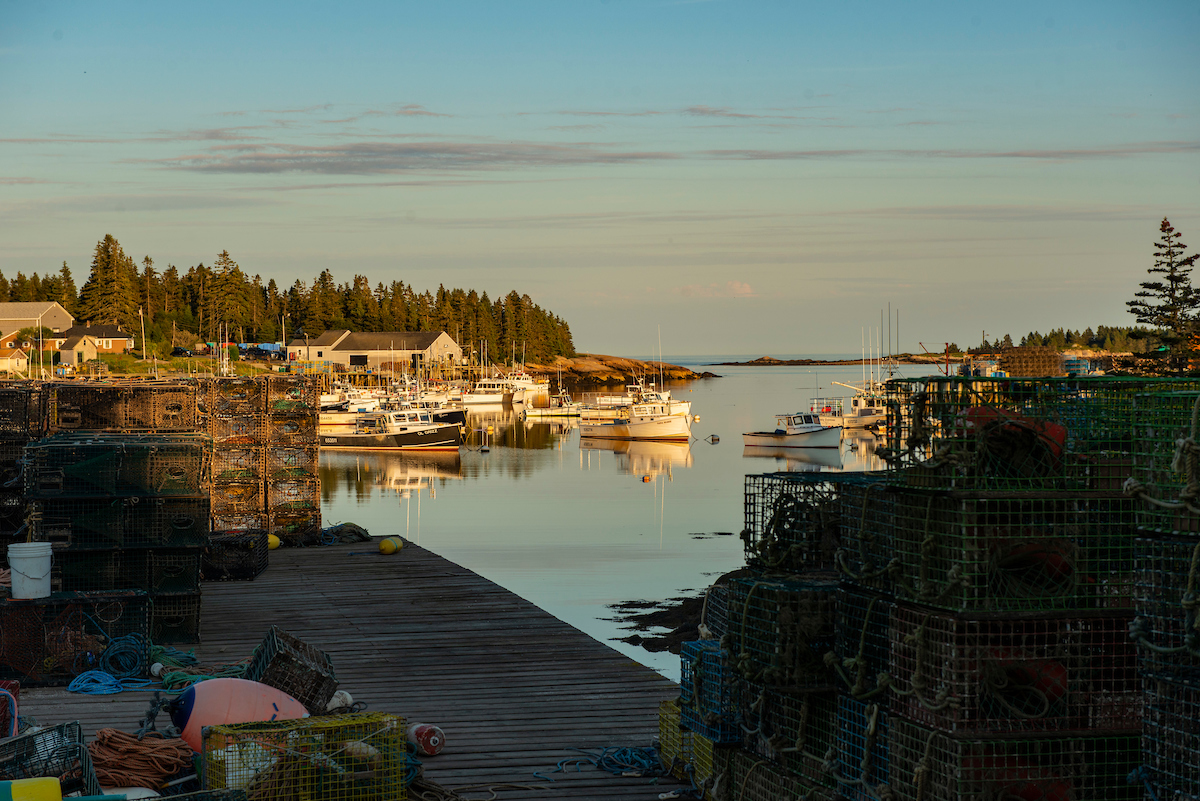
[488,390]
[637,421]
[799,430]
[560,405]
[610,405]
[398,430]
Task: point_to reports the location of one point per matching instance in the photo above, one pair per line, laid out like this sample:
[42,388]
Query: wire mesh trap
[20,413]
[1171,738]
[861,652]
[708,700]
[234,464]
[793,730]
[238,497]
[292,495]
[77,406]
[868,531]
[57,752]
[13,688]
[235,556]
[292,430]
[860,767]
[230,397]
[301,670]
[292,463]
[934,766]
[295,528]
[292,394]
[238,432]
[116,465]
[781,629]
[741,775]
[175,618]
[1167,627]
[356,757]
[1167,463]
[984,676]
[161,407]
[674,741]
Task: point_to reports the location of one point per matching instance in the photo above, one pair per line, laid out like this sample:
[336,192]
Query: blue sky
[750,177]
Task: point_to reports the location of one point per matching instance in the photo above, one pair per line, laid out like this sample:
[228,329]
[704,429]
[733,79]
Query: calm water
[576,526]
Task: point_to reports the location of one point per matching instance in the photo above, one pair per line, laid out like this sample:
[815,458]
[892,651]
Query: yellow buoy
[272,542]
[390,545]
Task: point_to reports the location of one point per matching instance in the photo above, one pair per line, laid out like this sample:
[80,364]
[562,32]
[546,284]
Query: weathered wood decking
[513,687]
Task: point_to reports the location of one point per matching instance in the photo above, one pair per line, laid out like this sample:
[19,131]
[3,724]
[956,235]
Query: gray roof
[25,310]
[378,341]
[71,343]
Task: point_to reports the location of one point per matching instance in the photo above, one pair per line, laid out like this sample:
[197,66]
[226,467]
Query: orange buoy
[428,739]
[218,701]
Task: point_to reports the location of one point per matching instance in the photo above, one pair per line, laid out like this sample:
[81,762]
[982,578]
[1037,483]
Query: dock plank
[514,688]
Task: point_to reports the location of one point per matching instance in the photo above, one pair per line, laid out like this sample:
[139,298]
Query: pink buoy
[218,701]
[428,739]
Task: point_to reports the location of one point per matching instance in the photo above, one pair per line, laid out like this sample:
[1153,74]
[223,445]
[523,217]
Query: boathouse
[367,351]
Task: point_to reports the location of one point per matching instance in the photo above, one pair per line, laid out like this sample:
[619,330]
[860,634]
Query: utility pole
[142,318]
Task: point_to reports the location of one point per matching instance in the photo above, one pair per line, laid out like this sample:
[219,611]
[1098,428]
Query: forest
[203,302]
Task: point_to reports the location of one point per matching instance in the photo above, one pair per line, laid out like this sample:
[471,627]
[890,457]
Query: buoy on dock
[390,545]
[428,739]
[272,542]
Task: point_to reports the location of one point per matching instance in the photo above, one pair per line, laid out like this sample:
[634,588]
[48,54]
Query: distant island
[769,361]
[592,369]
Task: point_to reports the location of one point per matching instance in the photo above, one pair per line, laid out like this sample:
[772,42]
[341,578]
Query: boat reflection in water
[856,454]
[642,457]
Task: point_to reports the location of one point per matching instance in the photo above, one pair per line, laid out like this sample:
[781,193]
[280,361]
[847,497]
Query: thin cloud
[1064,154]
[580,127]
[377,158]
[305,110]
[709,111]
[14,180]
[729,289]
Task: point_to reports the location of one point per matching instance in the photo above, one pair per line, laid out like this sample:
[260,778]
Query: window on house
[318,354]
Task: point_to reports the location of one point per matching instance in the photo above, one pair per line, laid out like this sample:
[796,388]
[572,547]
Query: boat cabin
[788,423]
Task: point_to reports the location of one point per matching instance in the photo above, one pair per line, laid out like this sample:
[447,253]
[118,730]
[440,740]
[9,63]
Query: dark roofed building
[109,338]
[377,349]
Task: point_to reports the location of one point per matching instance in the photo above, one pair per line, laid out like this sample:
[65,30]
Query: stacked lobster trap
[264,433]
[21,422]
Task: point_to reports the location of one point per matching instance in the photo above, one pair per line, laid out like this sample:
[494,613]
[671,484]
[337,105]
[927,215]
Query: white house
[375,350]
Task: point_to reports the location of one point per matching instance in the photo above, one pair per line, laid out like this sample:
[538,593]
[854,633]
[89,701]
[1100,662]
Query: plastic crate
[56,752]
[793,520]
[237,464]
[49,641]
[175,618]
[708,700]
[927,764]
[781,629]
[1167,626]
[1012,552]
[861,647]
[986,676]
[287,663]
[1171,738]
[794,730]
[292,430]
[356,757]
[235,556]
[674,741]
[862,749]
[292,463]
[292,394]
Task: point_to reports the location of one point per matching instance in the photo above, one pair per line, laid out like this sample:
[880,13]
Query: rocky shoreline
[768,361]
[593,369]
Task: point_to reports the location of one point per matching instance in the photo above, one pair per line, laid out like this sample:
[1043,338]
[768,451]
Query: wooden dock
[514,688]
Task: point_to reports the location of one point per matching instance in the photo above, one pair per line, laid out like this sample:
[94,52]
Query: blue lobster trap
[708,698]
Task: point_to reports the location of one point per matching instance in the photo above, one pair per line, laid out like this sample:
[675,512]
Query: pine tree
[68,296]
[108,296]
[1169,304]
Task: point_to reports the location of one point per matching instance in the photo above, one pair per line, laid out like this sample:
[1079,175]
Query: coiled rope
[99,682]
[125,657]
[123,760]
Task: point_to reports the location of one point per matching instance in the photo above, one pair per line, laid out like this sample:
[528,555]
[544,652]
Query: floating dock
[514,688]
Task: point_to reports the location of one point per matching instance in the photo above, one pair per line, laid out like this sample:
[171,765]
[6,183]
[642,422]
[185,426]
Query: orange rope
[122,760]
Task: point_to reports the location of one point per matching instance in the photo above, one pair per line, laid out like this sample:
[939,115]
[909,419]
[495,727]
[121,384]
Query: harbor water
[578,526]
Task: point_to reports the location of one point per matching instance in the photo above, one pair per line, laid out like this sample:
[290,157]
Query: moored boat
[395,430]
[560,405]
[637,421]
[799,430]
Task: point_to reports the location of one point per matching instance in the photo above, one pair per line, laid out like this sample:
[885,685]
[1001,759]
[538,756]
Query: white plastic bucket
[30,563]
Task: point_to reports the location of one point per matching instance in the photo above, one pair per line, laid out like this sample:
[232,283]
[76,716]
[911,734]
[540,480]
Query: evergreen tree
[67,296]
[1168,304]
[108,296]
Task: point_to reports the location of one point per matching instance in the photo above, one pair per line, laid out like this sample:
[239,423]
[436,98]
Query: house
[109,338]
[78,349]
[14,362]
[374,350]
[33,314]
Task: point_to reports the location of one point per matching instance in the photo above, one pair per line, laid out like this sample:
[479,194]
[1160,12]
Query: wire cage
[247,430]
[714,614]
[292,430]
[161,406]
[171,570]
[1012,553]
[1167,626]
[708,698]
[55,752]
[208,795]
[301,670]
[240,556]
[238,497]
[20,414]
[292,394]
[931,765]
[85,406]
[1171,738]
[235,464]
[295,528]
[90,571]
[989,676]
[741,775]
[290,495]
[781,629]
[796,731]
[1164,470]
[49,641]
[167,522]
[674,740]
[861,651]
[239,523]
[175,618]
[862,749]
[234,397]
[868,514]
[292,463]
[793,519]
[355,757]
[116,465]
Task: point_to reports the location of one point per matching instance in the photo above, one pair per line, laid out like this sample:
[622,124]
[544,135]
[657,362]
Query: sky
[758,178]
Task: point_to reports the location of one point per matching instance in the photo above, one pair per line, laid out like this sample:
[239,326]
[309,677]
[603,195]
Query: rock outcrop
[592,369]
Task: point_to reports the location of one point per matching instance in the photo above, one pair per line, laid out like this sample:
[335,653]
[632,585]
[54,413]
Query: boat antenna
[660,370]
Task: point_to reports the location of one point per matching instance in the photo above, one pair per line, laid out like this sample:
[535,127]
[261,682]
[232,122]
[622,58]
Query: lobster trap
[237,464]
[794,730]
[1012,553]
[986,676]
[931,765]
[122,522]
[175,618]
[861,768]
[292,463]
[55,752]
[1171,738]
[861,652]
[295,528]
[738,774]
[235,557]
[301,670]
[292,394]
[116,465]
[355,757]
[13,688]
[161,407]
[80,405]
[1167,626]
[292,430]
[793,520]
[781,629]
[238,432]
[239,523]
[708,698]
[674,741]
[235,397]
[290,495]
[237,498]
[867,550]
[714,614]
[20,414]
[151,570]
[49,641]
[1167,464]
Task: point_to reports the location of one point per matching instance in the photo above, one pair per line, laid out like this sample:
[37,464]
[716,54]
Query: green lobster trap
[354,757]
[1171,738]
[985,676]
[1167,626]
[796,731]
[866,554]
[741,775]
[861,652]
[235,397]
[292,463]
[292,430]
[292,394]
[1167,463]
[238,464]
[780,630]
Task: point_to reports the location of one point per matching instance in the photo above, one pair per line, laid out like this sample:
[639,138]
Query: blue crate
[708,701]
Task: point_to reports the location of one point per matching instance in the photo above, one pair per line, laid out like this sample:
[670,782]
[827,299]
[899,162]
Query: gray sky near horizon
[750,177]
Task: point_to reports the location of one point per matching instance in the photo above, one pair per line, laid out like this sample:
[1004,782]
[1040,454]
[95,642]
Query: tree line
[221,300]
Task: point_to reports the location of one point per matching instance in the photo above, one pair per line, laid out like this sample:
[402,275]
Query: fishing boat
[799,430]
[395,430]
[489,390]
[560,405]
[637,421]
[612,406]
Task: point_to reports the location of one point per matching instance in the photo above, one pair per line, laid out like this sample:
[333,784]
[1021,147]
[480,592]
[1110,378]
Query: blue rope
[632,762]
[1142,774]
[411,770]
[97,682]
[12,711]
[125,657]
